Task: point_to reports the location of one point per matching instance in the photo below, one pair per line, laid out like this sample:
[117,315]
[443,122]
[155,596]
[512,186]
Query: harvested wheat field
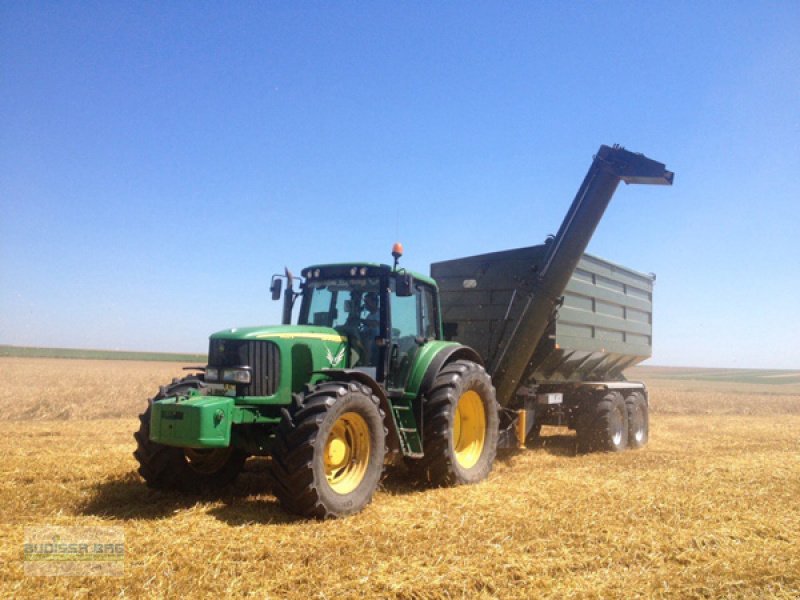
[708,510]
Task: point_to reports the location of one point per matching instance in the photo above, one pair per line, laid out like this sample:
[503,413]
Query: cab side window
[427,304]
[404,317]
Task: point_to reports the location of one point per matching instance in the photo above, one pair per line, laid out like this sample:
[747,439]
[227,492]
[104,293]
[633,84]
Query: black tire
[183,469]
[603,425]
[447,460]
[319,464]
[638,420]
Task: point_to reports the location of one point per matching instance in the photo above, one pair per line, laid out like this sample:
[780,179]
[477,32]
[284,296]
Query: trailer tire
[603,425]
[638,420]
[183,469]
[460,426]
[329,450]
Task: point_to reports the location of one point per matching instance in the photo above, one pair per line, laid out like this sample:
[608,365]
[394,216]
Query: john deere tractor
[363,377]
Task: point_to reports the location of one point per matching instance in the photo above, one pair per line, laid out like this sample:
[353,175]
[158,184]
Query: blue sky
[159,161]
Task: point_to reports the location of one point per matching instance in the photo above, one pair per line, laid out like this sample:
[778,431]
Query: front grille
[262,357]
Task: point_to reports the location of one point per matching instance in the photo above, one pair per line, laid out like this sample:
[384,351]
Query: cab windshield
[337,302]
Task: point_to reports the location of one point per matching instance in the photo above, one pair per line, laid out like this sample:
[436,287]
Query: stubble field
[710,509]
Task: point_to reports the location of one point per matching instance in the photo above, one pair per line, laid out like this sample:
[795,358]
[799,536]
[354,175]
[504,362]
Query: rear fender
[430,360]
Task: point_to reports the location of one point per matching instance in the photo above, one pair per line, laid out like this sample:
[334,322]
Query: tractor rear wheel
[327,458]
[638,420]
[183,469]
[460,426]
[603,425]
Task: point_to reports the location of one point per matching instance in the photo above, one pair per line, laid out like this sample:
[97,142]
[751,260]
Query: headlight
[236,376]
[212,374]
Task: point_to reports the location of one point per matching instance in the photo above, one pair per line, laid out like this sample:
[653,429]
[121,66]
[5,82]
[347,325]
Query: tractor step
[407,429]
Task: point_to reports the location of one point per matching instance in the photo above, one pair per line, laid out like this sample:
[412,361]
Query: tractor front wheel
[327,458]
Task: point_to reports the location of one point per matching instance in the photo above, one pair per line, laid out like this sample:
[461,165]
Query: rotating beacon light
[397,252]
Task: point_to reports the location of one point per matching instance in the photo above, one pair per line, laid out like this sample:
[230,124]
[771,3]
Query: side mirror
[276,286]
[405,285]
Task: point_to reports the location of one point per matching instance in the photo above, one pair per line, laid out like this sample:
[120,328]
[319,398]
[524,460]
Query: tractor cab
[386,314]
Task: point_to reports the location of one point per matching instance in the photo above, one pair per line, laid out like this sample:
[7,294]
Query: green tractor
[364,377]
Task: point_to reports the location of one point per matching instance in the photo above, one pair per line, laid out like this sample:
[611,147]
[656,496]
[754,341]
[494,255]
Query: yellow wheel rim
[346,454]
[469,429]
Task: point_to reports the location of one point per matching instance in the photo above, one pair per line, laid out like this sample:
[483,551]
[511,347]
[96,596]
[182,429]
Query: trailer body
[603,326]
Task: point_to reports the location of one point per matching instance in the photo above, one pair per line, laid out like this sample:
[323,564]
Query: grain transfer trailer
[440,370]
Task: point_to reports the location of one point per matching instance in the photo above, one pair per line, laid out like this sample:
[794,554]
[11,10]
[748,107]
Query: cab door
[413,323]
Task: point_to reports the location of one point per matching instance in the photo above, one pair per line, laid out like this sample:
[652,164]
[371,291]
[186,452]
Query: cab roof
[372,270]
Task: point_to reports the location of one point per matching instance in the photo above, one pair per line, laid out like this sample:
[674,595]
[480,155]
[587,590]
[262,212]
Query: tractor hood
[282,358]
[281,332]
